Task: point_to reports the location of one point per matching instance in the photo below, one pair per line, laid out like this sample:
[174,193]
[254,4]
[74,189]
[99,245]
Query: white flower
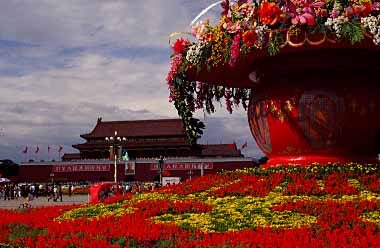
[260,31]
[195,52]
[372,23]
[336,24]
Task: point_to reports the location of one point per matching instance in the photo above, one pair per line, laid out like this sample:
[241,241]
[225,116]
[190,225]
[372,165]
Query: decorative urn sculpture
[306,71]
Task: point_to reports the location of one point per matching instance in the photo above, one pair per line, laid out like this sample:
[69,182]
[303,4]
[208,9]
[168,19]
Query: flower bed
[316,206]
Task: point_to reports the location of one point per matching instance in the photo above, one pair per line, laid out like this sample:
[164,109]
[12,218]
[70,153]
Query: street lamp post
[52,179]
[115,144]
[202,169]
[161,167]
[190,173]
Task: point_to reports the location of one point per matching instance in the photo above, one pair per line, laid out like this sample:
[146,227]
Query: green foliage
[193,126]
[133,244]
[119,241]
[274,44]
[164,243]
[352,32]
[23,230]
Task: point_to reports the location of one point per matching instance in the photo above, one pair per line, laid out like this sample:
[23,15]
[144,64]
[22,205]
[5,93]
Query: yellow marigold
[218,48]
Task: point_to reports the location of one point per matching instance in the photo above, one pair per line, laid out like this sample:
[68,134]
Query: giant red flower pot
[315,103]
[319,105]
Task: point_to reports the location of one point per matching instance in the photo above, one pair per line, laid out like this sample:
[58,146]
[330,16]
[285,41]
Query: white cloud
[92,78]
[65,71]
[92,22]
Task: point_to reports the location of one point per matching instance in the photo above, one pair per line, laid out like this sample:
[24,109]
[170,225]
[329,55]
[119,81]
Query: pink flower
[235,50]
[232,27]
[303,13]
[334,13]
[199,29]
[302,18]
[349,11]
[376,6]
[176,64]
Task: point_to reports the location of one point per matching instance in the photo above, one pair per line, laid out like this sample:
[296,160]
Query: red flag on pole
[245,145]
[60,148]
[25,151]
[37,150]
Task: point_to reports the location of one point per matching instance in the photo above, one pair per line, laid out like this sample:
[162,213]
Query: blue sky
[65,63]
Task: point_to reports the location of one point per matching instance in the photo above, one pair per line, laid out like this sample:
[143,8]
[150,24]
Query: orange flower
[249,38]
[270,13]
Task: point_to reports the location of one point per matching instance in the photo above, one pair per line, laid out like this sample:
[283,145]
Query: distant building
[145,142]
[146,139]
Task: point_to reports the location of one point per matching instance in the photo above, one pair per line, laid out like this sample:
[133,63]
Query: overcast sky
[63,64]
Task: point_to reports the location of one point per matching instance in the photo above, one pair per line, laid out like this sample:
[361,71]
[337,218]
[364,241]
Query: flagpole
[25,151]
[59,152]
[49,155]
[36,153]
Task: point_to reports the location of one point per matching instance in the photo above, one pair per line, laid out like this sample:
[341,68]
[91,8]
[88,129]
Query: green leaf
[273,49]
[274,44]
[352,32]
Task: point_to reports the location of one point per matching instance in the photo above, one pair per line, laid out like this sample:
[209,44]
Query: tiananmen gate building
[142,143]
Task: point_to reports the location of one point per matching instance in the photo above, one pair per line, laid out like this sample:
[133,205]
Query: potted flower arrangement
[306,71]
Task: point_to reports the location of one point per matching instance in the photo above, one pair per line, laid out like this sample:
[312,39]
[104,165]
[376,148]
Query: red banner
[184,166]
[81,167]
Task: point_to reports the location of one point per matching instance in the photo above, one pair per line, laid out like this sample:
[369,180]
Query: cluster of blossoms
[195,52]
[336,24]
[373,24]
[244,26]
[260,30]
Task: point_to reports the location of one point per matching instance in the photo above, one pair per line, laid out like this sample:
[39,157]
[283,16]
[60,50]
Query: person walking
[7,191]
[60,192]
[53,193]
[36,190]
[25,195]
[70,188]
[12,191]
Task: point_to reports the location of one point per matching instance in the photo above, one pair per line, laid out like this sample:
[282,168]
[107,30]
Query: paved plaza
[43,201]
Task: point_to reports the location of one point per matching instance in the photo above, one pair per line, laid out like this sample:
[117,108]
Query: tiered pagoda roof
[221,150]
[153,135]
[139,133]
[137,128]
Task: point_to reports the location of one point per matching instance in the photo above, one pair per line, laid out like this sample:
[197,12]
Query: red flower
[225,5]
[362,9]
[311,22]
[249,38]
[180,45]
[367,8]
[270,13]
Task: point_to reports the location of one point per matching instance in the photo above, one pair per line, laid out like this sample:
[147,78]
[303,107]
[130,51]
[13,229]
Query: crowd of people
[54,191]
[28,192]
